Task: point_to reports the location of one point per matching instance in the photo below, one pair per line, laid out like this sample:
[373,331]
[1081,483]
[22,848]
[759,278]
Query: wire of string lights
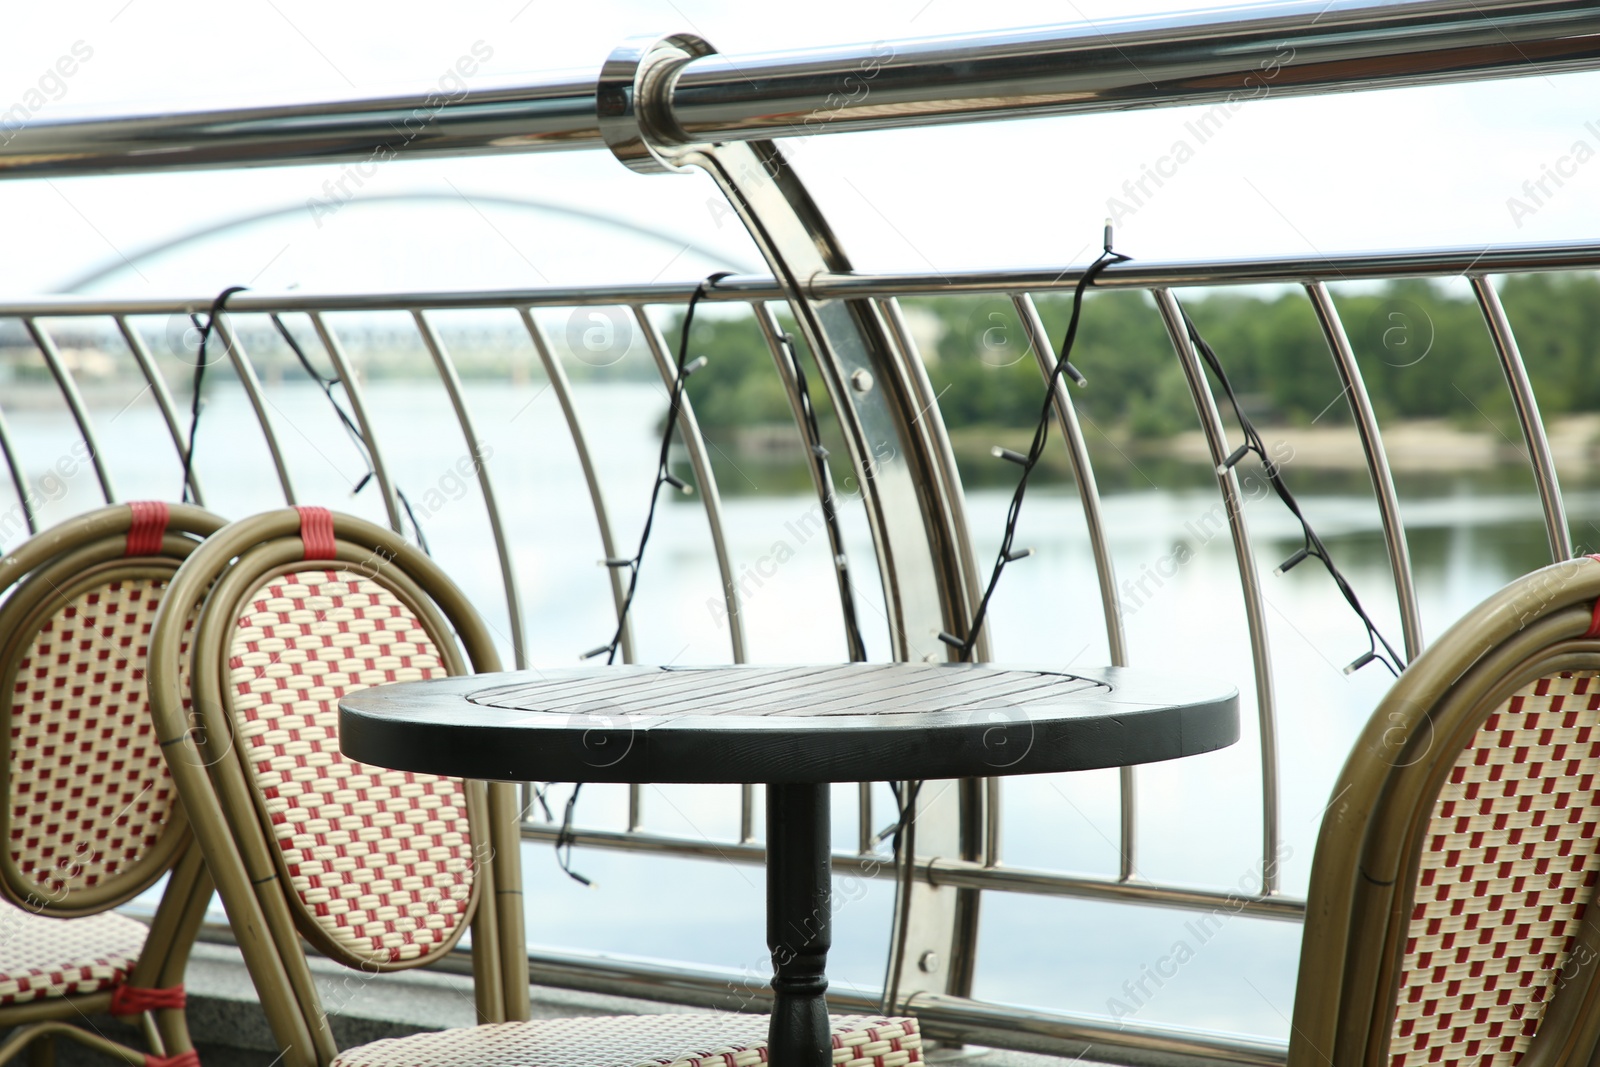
[1313,546]
[664,476]
[684,367]
[830,507]
[351,427]
[1041,435]
[206,328]
[1378,647]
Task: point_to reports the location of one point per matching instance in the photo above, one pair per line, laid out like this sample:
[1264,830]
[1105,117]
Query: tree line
[1421,345]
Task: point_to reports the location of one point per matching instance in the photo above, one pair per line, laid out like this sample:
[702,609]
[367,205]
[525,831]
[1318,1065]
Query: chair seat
[42,958]
[696,1039]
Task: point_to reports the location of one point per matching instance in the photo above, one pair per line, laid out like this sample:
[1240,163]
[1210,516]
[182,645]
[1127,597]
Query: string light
[565,837]
[830,511]
[1041,435]
[199,379]
[684,369]
[351,428]
[1313,548]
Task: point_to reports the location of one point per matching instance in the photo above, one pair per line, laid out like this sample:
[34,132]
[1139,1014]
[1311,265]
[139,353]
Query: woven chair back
[377,869]
[1450,916]
[381,864]
[90,816]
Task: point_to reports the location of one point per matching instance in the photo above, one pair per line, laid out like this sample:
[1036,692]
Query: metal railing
[673,103]
[953,1016]
[1196,58]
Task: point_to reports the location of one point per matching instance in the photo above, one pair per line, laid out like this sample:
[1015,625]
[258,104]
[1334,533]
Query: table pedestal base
[799,923]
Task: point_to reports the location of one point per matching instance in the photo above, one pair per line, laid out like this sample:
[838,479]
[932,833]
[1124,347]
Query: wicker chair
[90,816]
[379,870]
[1450,917]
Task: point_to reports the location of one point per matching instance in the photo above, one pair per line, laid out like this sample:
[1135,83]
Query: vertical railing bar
[991,823]
[1099,549]
[1527,408]
[864,831]
[747,813]
[258,401]
[635,806]
[163,395]
[1377,457]
[1127,791]
[352,389]
[933,431]
[694,443]
[556,374]
[452,386]
[1249,581]
[773,332]
[69,392]
[19,480]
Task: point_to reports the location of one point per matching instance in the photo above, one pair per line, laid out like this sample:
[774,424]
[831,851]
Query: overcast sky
[1414,167]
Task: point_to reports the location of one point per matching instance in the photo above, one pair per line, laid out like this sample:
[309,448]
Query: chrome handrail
[1305,48]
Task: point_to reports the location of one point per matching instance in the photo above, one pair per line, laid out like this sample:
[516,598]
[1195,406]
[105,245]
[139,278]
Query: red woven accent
[133,1000]
[1594,620]
[182,1059]
[148,526]
[316,530]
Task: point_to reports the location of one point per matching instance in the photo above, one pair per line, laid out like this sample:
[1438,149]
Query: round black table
[796,729]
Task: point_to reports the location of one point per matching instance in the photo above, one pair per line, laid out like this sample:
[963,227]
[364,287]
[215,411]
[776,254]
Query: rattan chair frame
[1370,848]
[228,819]
[228,823]
[44,572]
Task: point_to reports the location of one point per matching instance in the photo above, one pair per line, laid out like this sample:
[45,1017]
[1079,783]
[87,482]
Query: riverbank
[1414,446]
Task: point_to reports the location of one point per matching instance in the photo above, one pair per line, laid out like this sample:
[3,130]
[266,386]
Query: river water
[1199,819]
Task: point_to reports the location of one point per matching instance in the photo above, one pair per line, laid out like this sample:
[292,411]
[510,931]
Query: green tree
[1556,318]
[1421,346]
[739,385]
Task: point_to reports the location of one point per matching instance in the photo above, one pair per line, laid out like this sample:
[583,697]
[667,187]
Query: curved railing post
[782,349]
[74,400]
[163,395]
[358,407]
[480,462]
[1205,404]
[19,481]
[694,443]
[258,401]
[1394,531]
[1105,572]
[559,385]
[1527,408]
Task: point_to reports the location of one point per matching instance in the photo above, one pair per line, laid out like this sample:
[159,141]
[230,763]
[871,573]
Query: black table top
[836,723]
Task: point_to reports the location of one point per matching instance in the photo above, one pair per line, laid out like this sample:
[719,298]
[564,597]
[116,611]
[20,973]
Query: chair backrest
[1449,918]
[377,869]
[90,818]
